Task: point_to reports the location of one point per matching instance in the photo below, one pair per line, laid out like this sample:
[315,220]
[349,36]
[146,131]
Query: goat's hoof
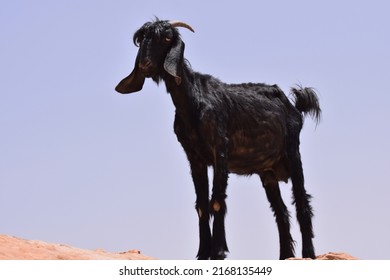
[219,256]
[309,253]
[222,257]
[309,256]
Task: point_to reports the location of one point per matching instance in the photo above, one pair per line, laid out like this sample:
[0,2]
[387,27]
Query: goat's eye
[167,39]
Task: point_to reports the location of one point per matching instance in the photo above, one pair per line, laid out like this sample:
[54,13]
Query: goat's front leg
[201,182]
[218,207]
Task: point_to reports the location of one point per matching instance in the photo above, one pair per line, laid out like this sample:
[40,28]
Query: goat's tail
[306,102]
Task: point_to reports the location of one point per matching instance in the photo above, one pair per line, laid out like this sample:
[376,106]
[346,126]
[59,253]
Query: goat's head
[160,52]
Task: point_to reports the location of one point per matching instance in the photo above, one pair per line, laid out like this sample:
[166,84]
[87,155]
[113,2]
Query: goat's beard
[157,79]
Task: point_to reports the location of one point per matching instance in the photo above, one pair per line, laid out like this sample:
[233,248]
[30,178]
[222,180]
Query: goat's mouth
[148,73]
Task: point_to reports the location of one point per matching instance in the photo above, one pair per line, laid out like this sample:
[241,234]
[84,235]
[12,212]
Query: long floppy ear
[174,60]
[132,83]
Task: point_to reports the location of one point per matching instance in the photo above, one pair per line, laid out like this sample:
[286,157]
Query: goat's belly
[249,155]
[253,163]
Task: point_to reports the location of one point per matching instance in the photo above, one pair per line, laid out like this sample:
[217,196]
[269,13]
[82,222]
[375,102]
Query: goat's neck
[182,95]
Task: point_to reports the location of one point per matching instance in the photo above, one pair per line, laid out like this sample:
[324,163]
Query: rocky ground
[13,248]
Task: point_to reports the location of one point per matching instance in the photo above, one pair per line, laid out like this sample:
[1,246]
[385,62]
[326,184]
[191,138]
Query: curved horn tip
[177,23]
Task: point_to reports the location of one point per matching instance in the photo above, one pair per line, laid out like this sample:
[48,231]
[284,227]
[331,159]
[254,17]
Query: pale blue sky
[83,165]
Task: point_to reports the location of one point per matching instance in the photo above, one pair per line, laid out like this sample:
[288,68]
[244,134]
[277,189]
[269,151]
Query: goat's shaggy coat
[235,128]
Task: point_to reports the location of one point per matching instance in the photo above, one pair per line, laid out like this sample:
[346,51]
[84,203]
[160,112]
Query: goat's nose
[145,65]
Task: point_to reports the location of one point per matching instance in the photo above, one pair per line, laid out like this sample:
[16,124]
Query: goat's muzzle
[147,68]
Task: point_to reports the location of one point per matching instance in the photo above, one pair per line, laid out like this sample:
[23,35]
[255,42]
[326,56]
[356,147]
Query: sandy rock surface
[331,256]
[336,256]
[13,248]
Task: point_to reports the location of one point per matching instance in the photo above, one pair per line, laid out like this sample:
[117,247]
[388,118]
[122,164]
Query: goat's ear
[173,63]
[132,83]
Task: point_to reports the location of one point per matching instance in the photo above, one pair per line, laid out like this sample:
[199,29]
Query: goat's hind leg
[302,205]
[281,214]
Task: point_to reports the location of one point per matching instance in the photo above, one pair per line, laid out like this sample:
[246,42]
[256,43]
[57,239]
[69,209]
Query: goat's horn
[176,23]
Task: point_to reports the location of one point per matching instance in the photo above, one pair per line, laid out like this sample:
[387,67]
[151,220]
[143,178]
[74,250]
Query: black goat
[235,128]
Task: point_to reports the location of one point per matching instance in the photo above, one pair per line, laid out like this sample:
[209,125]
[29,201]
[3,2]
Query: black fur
[235,128]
